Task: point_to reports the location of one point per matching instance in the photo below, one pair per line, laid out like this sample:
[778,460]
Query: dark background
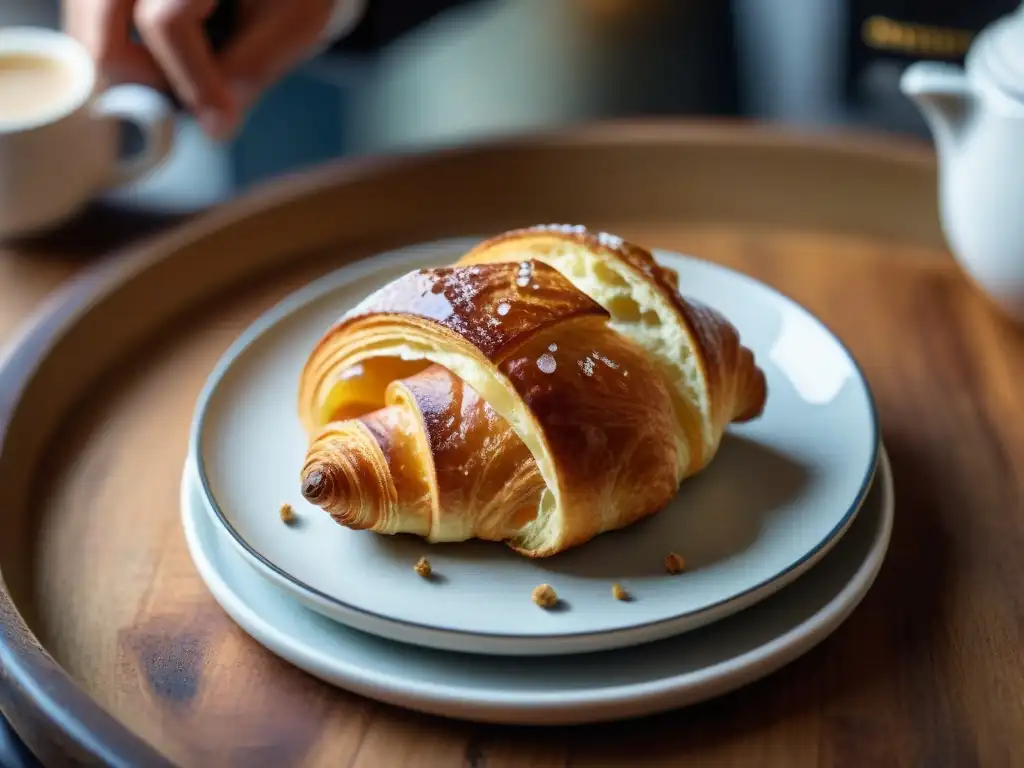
[422,73]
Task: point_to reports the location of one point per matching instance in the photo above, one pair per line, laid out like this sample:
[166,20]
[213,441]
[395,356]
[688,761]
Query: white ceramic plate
[781,491]
[554,690]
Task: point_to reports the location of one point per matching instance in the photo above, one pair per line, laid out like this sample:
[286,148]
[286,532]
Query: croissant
[550,386]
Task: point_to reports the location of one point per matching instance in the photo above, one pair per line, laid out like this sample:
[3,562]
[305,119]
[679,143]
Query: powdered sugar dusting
[588,363]
[460,294]
[546,363]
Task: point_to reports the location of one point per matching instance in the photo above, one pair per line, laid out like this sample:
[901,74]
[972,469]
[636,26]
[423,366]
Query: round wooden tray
[112,651]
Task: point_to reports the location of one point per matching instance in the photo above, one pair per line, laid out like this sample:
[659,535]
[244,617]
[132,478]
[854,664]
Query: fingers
[274,38]
[103,27]
[174,32]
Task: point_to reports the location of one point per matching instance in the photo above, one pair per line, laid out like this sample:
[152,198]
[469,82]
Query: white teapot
[976,115]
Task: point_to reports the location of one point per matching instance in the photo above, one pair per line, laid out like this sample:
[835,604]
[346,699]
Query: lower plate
[630,682]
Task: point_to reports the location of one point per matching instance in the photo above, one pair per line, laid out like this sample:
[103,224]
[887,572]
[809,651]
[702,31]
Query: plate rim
[565,642]
[559,708]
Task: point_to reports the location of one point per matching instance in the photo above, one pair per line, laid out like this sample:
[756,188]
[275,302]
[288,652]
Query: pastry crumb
[674,563]
[619,593]
[545,596]
[423,568]
[288,515]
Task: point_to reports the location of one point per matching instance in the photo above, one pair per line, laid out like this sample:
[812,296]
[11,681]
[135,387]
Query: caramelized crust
[486,481]
[601,405]
[484,310]
[737,386]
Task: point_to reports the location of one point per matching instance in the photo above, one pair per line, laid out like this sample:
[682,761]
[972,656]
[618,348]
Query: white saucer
[556,690]
[780,493]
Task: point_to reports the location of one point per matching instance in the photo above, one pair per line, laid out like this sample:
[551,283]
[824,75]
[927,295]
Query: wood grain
[927,671]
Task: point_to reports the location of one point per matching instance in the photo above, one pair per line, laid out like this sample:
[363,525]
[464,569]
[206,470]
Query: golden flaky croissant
[550,386]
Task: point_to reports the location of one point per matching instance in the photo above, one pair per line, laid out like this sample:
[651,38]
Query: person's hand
[217,87]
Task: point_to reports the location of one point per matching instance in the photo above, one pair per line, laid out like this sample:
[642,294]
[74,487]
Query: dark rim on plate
[33,686]
[326,284]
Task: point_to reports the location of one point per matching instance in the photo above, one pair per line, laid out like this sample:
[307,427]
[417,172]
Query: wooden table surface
[929,669]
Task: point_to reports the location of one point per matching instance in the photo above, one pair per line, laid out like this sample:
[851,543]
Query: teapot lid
[998,53]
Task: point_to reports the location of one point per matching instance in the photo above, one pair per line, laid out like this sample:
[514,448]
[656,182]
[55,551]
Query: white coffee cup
[62,150]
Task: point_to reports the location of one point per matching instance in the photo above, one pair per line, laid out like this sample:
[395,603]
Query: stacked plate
[782,536]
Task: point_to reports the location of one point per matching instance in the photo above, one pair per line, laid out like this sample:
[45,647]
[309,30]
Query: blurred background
[423,73]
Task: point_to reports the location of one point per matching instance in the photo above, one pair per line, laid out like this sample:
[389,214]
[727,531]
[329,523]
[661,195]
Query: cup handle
[152,113]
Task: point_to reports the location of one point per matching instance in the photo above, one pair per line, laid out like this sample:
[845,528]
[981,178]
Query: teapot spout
[944,97]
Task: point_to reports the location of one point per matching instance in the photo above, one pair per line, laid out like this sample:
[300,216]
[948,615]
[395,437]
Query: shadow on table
[99,229]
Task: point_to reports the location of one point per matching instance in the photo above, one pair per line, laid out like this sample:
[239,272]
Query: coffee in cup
[31,85]
[59,138]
